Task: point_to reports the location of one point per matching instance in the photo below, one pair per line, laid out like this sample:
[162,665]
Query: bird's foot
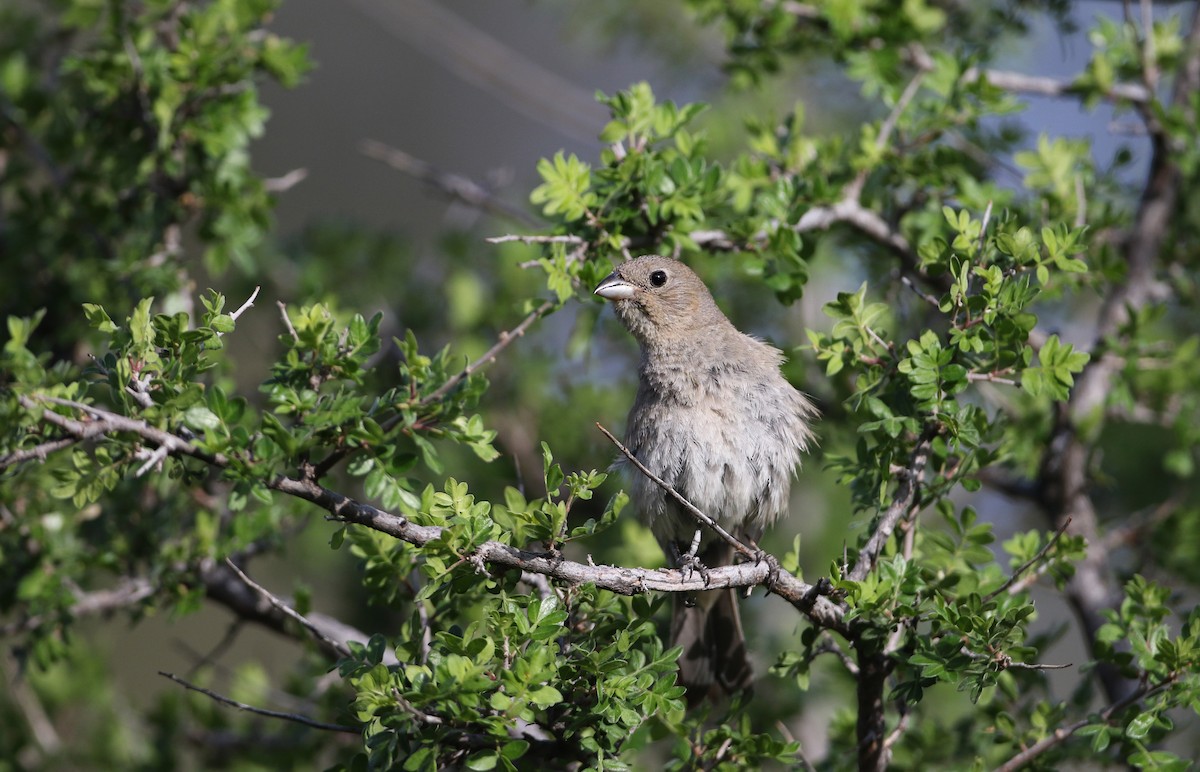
[687,562]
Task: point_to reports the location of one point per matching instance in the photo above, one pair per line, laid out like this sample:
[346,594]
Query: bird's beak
[614,288]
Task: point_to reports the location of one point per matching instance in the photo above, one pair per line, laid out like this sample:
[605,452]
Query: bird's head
[660,300]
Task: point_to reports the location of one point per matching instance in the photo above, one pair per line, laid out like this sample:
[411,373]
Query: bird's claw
[687,562]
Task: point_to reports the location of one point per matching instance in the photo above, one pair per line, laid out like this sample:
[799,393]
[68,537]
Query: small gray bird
[716,420]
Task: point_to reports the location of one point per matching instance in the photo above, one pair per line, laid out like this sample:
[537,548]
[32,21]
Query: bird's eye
[658,278]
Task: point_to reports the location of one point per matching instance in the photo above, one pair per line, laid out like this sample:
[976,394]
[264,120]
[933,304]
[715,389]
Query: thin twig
[854,189]
[1140,524]
[896,733]
[1053,87]
[128,592]
[700,516]
[930,299]
[45,735]
[286,182]
[108,422]
[39,452]
[1037,558]
[247,305]
[454,185]
[287,322]
[789,737]
[828,646]
[1033,84]
[1062,734]
[289,611]
[293,717]
[992,378]
[1149,56]
[524,239]
[502,343]
[153,459]
[902,503]
[983,226]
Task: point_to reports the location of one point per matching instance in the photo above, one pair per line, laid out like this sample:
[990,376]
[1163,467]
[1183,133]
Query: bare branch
[286,182]
[287,320]
[1041,554]
[828,646]
[128,592]
[1053,87]
[456,186]
[851,212]
[293,717]
[289,611]
[505,339]
[46,737]
[247,305]
[223,586]
[153,459]
[991,378]
[1064,475]
[40,452]
[854,189]
[535,239]
[1062,734]
[902,504]
[107,423]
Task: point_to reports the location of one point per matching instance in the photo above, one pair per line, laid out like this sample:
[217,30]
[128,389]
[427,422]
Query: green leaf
[200,418]
[1140,726]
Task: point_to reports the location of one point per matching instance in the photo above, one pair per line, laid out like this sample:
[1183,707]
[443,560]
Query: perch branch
[626,581]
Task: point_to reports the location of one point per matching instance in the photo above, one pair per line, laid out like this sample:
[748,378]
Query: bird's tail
[714,662]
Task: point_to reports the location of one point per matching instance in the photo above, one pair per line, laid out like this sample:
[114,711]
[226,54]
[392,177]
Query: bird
[716,420]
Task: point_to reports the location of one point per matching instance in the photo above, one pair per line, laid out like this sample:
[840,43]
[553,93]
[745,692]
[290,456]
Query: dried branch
[853,191]
[266,594]
[46,738]
[247,305]
[41,452]
[867,221]
[286,182]
[1062,734]
[1041,554]
[224,587]
[1033,84]
[524,239]
[456,186]
[991,378]
[901,506]
[130,591]
[106,423]
[1054,87]
[293,717]
[504,340]
[287,320]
